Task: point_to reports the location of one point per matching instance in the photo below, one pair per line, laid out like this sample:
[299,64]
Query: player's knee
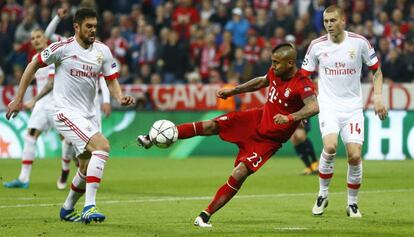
[104,147]
[354,158]
[210,127]
[330,148]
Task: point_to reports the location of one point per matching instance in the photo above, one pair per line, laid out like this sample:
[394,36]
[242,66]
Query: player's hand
[379,107]
[106,109]
[13,108]
[280,119]
[62,12]
[29,105]
[224,93]
[127,100]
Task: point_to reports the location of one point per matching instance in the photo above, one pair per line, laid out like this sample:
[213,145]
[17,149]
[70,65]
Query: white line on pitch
[172,199]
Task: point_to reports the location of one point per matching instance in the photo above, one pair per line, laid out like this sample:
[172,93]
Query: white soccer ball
[163,133]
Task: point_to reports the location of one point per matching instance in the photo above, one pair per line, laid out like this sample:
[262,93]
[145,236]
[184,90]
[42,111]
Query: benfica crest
[99,58]
[351,53]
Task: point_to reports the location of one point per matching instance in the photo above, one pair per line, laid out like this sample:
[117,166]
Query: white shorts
[75,128]
[41,117]
[350,125]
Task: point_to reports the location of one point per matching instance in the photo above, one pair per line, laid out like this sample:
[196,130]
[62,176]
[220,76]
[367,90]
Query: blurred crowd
[208,41]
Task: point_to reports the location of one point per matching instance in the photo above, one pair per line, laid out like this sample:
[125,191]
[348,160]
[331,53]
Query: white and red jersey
[339,67]
[42,76]
[76,73]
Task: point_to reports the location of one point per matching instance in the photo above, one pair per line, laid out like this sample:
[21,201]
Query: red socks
[188,130]
[223,195]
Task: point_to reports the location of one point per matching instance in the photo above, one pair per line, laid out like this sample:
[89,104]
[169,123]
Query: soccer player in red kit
[260,132]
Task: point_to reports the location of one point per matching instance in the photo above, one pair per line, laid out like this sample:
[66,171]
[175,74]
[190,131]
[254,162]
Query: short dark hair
[281,46]
[82,14]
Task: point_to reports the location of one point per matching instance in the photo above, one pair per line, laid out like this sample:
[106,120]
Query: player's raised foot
[353,211]
[90,213]
[144,141]
[63,179]
[69,215]
[203,220]
[16,184]
[320,205]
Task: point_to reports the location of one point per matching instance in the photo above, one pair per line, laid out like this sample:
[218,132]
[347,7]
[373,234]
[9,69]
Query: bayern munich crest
[287,92]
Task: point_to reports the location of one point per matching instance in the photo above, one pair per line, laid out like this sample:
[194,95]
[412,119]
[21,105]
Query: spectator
[208,57]
[261,67]
[183,17]
[174,59]
[240,68]
[25,28]
[252,49]
[220,17]
[125,77]
[226,54]
[408,62]
[238,27]
[393,66]
[118,45]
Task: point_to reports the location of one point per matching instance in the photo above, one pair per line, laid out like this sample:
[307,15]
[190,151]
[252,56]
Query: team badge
[287,92]
[46,53]
[351,53]
[99,57]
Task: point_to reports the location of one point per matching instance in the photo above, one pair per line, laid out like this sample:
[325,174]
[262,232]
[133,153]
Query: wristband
[290,118]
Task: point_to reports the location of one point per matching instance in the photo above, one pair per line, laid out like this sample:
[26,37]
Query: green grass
[161,197]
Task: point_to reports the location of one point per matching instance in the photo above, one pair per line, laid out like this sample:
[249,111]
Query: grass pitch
[161,197]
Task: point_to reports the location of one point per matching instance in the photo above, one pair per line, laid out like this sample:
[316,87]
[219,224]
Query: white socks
[28,156]
[326,169]
[68,153]
[354,178]
[94,175]
[77,189]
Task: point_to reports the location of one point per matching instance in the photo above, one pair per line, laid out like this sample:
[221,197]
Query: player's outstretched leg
[224,194]
[186,130]
[326,169]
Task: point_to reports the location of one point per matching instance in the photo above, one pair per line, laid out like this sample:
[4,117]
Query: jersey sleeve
[51,54]
[109,67]
[306,88]
[310,62]
[104,90]
[51,70]
[369,57]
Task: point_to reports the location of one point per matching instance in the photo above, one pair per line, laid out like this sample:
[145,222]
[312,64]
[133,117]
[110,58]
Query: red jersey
[284,97]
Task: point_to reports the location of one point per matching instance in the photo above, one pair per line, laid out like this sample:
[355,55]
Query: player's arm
[17,103]
[249,86]
[379,107]
[51,28]
[116,92]
[45,90]
[106,105]
[310,109]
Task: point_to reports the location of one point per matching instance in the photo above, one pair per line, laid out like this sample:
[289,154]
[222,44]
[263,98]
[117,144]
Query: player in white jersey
[338,57]
[41,119]
[79,62]
[67,150]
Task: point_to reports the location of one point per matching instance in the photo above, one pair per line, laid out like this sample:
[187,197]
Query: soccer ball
[163,133]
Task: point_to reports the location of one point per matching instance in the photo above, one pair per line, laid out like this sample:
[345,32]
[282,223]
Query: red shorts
[240,128]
